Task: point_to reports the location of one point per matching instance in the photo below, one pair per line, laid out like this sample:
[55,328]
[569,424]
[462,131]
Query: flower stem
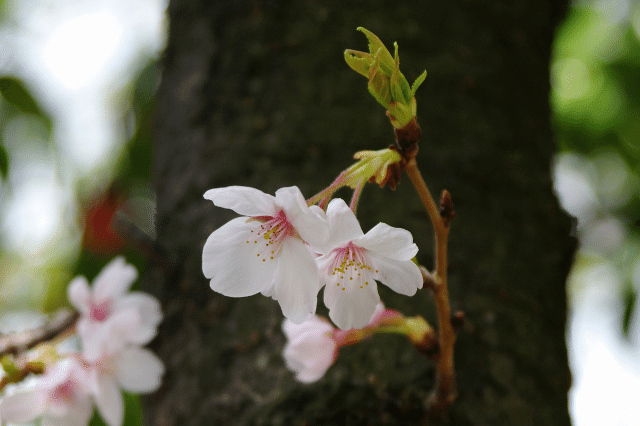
[328,192]
[444,392]
[356,195]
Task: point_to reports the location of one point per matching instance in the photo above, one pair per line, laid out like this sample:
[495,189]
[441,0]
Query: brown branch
[16,343]
[444,392]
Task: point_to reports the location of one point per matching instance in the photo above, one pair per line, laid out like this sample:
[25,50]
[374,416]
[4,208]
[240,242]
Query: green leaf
[630,298]
[15,92]
[418,82]
[379,84]
[377,48]
[399,85]
[358,61]
[132,412]
[4,162]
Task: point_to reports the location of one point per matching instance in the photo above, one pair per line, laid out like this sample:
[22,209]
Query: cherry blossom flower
[112,317]
[264,251]
[59,397]
[133,369]
[310,349]
[351,262]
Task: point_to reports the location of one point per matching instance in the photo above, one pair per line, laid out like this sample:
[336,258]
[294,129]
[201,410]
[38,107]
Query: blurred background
[77,85]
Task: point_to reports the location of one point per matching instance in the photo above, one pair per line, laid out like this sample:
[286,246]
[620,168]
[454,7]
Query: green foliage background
[596,101]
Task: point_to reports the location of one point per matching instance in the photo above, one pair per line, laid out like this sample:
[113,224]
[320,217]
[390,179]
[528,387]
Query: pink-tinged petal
[310,224]
[310,350]
[108,398]
[138,370]
[385,240]
[313,326]
[296,283]
[100,339]
[25,405]
[150,315]
[351,302]
[78,417]
[243,200]
[93,338]
[114,280]
[238,268]
[79,294]
[403,277]
[343,226]
[325,265]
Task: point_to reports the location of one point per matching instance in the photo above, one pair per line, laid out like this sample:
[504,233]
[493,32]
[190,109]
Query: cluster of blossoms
[285,249]
[113,325]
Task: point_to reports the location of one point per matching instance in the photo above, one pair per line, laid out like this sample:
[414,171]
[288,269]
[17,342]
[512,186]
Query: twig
[17,343]
[444,392]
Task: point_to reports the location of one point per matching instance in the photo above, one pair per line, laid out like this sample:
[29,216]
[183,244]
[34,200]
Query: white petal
[150,315]
[403,277]
[76,418]
[310,349]
[235,266]
[76,412]
[79,294]
[313,326]
[114,280]
[93,338]
[243,200]
[343,226]
[351,303]
[296,283]
[311,226]
[100,339]
[385,240]
[109,401]
[138,370]
[24,406]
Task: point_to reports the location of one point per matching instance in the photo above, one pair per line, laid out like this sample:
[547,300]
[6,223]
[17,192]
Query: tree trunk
[257,93]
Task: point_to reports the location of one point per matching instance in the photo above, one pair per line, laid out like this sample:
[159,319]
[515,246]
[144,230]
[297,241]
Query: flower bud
[386,83]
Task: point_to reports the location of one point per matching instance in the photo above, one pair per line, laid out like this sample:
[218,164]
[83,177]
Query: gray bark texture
[257,93]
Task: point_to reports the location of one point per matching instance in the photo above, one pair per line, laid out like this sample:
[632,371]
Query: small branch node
[457,320]
[446,207]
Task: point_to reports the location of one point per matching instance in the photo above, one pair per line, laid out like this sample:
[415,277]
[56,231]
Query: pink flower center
[350,267]
[64,392]
[270,235]
[99,311]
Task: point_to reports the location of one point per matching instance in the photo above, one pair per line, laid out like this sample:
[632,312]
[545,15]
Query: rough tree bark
[257,93]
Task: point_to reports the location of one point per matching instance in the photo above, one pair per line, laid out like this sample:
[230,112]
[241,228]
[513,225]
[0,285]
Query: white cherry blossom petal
[150,314]
[309,224]
[385,240]
[243,200]
[403,277]
[238,268]
[76,418]
[24,405]
[114,280]
[138,370]
[109,401]
[343,226]
[351,302]
[100,339]
[296,282]
[310,349]
[79,294]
